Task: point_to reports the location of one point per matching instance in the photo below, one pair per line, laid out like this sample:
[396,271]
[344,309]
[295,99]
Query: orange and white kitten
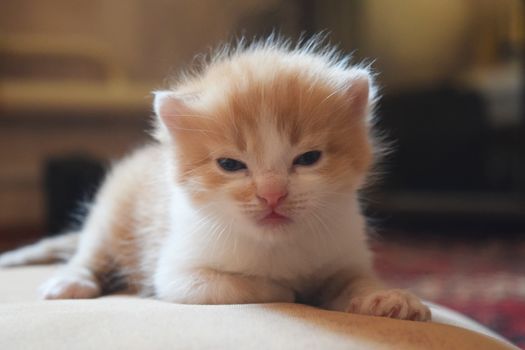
[247,195]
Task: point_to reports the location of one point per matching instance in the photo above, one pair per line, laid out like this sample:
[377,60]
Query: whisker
[191,115]
[204,131]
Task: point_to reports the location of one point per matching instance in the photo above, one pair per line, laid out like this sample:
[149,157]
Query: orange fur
[306,110]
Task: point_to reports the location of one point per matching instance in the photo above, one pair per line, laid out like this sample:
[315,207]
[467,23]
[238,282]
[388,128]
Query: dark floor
[482,277]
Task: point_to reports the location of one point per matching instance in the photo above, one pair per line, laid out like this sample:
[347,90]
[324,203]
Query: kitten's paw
[394,303]
[69,287]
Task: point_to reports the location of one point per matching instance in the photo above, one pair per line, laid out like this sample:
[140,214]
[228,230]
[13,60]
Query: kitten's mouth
[274,219]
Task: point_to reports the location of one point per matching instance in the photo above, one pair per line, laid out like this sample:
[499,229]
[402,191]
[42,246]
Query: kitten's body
[282,226]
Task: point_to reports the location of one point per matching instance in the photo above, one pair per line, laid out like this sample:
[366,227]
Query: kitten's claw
[394,303]
[69,287]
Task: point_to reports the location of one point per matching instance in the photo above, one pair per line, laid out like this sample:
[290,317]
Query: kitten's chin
[274,220]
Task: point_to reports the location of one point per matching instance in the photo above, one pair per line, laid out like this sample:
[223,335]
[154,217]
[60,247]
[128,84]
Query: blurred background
[449,211]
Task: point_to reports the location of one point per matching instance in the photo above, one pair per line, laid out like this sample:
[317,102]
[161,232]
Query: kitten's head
[269,137]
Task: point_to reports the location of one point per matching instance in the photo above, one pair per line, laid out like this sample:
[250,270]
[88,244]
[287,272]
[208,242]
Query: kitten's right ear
[167,105]
[360,91]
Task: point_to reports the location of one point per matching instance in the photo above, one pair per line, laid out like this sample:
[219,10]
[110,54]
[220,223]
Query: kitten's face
[274,155]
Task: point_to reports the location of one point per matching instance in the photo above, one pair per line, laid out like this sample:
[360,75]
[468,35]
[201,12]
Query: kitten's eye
[308,158]
[231,165]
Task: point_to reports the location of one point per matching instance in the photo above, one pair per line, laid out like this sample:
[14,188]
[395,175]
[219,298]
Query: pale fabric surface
[123,322]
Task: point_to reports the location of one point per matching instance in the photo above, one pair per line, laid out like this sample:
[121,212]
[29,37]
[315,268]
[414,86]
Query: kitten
[248,194]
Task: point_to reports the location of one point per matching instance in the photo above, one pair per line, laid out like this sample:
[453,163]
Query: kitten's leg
[365,295]
[105,225]
[207,286]
[80,277]
[108,243]
[45,251]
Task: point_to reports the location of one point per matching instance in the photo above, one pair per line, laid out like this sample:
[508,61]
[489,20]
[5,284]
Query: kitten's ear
[167,105]
[359,92]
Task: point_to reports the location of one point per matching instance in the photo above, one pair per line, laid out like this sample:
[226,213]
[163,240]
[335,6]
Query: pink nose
[273,198]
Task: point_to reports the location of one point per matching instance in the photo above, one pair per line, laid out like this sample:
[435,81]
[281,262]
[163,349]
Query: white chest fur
[303,254]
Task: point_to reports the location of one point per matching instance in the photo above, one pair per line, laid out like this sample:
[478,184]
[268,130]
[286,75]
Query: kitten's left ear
[167,105]
[359,91]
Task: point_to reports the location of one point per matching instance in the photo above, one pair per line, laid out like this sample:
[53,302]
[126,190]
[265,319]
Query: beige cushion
[125,322]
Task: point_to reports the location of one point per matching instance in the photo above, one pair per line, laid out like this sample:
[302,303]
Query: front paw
[393,303]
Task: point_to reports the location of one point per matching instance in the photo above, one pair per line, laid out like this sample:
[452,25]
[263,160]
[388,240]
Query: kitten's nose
[272,198]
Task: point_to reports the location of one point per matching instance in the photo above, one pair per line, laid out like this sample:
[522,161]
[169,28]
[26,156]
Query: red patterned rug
[484,279]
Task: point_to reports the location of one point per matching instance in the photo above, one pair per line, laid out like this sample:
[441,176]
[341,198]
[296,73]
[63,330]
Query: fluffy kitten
[248,193]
